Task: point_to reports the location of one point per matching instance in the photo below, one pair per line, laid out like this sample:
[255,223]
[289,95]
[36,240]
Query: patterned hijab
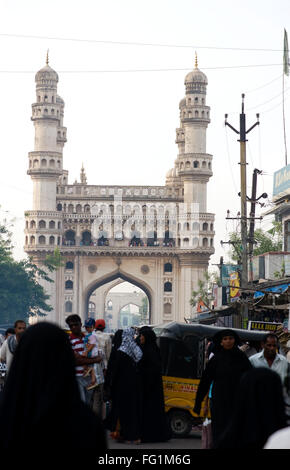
[129,345]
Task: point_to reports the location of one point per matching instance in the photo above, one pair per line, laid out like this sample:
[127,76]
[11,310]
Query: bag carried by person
[206,434]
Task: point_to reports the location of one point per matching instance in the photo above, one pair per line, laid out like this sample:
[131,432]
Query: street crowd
[81,382]
[68,388]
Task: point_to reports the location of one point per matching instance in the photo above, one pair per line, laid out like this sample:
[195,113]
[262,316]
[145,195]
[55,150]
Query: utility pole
[243,176]
[252,217]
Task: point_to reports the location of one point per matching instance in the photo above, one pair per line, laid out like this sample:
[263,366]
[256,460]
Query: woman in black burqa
[110,391]
[154,425]
[259,411]
[41,407]
[126,389]
[224,370]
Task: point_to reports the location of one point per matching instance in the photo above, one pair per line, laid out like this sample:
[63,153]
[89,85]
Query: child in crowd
[90,340]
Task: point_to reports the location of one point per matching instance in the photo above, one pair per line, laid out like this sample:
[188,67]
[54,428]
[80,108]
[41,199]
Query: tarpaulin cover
[276,289]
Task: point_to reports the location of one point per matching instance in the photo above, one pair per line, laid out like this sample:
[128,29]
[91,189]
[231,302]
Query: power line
[134,43]
[263,86]
[226,67]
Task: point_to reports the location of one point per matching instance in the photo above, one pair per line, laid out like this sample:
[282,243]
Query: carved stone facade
[159,238]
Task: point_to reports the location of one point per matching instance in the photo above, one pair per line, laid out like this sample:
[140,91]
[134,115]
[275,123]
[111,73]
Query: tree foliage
[202,292]
[21,294]
[265,241]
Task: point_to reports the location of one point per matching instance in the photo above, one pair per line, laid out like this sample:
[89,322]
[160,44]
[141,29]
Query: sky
[121,67]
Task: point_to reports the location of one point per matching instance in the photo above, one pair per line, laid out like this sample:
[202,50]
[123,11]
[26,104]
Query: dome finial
[196,63]
[47,57]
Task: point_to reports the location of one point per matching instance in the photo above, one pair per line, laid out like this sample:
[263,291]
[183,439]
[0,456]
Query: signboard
[268,327]
[226,270]
[281,180]
[234,286]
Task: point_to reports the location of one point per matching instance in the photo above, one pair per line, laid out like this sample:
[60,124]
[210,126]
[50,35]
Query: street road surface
[192,441]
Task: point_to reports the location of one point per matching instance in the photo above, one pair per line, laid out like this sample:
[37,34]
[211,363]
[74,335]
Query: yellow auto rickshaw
[183,348]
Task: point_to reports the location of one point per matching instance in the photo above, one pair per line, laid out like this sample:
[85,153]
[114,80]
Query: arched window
[69,285]
[32,240]
[86,238]
[51,224]
[87,208]
[41,240]
[204,242]
[195,227]
[69,265]
[92,309]
[32,224]
[168,287]
[42,224]
[167,308]
[195,164]
[70,208]
[43,162]
[195,242]
[51,240]
[168,268]
[59,207]
[68,306]
[205,226]
[69,237]
[79,208]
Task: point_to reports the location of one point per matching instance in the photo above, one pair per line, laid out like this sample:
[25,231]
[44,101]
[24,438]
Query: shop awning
[275,289]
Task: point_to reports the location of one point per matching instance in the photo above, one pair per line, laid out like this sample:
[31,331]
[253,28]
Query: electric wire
[226,67]
[135,43]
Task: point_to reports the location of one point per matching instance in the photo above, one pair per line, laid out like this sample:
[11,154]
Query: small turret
[83,175]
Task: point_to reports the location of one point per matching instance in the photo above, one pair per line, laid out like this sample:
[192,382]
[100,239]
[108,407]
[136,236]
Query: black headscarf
[148,333]
[259,411]
[41,405]
[117,339]
[221,334]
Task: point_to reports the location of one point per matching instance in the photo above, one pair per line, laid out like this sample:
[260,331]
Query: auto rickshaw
[183,348]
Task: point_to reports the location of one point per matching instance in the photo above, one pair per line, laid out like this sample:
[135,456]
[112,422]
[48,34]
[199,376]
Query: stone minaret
[193,163]
[46,161]
[43,224]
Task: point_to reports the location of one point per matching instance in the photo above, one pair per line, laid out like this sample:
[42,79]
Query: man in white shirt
[269,357]
[8,347]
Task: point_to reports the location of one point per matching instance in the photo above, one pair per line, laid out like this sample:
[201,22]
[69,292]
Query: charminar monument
[159,238]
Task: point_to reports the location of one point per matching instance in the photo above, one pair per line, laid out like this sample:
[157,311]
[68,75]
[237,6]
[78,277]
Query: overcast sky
[121,67]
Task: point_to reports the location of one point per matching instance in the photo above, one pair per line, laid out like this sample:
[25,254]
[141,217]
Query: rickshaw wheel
[180,423]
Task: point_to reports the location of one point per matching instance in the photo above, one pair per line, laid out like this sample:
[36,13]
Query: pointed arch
[111,277]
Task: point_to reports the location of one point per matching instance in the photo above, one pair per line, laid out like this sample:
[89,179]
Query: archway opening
[120,302]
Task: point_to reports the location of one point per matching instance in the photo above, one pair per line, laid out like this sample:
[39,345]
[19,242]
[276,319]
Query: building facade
[159,238]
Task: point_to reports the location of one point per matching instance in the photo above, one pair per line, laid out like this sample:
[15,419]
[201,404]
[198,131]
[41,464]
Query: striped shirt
[78,346]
